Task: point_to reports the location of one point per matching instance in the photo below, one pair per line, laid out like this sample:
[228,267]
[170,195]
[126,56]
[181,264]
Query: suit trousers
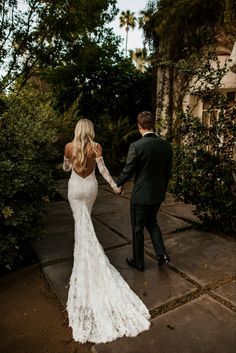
[145,216]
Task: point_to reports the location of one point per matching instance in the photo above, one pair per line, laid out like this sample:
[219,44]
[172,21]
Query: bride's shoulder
[97,145]
[68,148]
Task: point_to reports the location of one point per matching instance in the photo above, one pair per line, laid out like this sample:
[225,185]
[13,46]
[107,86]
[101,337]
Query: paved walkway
[192,302]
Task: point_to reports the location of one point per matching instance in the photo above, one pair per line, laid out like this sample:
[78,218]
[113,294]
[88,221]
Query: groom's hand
[121,192]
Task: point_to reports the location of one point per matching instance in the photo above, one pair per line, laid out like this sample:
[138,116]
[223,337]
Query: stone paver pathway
[192,302]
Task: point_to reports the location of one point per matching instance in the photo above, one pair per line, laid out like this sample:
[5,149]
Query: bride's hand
[119,190]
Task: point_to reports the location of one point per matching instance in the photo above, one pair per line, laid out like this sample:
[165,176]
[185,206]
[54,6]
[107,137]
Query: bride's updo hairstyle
[84,134]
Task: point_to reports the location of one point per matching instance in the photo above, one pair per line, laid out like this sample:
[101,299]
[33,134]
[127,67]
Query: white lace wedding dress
[101,306]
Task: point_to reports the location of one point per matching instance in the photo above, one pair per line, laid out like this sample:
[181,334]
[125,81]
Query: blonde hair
[84,134]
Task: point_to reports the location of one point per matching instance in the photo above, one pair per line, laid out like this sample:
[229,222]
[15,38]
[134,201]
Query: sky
[135,39]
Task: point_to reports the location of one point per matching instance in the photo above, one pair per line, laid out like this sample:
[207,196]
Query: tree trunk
[126,41]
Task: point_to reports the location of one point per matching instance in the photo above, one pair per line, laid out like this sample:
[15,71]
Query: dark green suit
[149,160]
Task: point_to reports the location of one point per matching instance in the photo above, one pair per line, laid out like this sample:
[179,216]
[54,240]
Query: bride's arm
[67,166]
[104,171]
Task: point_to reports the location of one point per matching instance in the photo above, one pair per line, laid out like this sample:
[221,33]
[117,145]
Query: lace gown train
[101,306]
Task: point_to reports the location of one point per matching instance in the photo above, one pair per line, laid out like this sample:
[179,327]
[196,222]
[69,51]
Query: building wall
[228,89]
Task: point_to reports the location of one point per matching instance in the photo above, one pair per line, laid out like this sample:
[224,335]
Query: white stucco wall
[229,80]
[228,84]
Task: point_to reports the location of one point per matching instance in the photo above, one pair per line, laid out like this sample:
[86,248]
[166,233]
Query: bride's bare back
[90,160]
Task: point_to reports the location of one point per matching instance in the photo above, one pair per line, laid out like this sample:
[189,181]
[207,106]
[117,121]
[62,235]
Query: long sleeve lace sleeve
[105,173]
[66,165]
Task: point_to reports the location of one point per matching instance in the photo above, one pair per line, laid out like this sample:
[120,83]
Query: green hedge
[27,149]
[203,168]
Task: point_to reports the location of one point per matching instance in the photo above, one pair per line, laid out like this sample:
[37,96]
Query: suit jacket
[149,160]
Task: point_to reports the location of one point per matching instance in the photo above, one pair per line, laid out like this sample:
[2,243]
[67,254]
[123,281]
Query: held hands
[119,190]
[122,190]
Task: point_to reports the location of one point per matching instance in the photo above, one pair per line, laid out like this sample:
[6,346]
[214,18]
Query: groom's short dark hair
[146,120]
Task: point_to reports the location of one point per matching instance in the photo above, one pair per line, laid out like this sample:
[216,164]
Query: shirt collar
[148,132]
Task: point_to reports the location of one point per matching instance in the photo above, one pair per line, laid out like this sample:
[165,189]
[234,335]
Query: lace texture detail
[66,165]
[105,173]
[101,306]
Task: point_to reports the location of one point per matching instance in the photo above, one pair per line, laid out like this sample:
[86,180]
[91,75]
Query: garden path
[192,302]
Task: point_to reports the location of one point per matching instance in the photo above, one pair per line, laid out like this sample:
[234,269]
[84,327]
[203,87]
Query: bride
[101,306]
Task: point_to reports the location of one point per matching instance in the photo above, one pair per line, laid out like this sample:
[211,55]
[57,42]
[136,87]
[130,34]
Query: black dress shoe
[163,260]
[131,263]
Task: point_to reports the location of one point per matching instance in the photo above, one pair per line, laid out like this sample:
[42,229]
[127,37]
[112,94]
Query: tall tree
[145,15]
[50,34]
[127,20]
[180,32]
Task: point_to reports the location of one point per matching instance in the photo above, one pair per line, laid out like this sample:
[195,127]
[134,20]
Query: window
[231,98]
[209,115]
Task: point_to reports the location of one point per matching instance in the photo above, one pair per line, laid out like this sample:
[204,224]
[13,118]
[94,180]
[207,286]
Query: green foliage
[116,90]
[181,33]
[179,28]
[141,59]
[112,96]
[27,149]
[46,35]
[203,163]
[115,136]
[112,99]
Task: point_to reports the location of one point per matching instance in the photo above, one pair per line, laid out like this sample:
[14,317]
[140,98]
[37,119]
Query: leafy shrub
[115,136]
[27,148]
[203,166]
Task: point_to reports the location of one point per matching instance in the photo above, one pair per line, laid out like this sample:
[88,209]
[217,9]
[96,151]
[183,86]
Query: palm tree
[127,20]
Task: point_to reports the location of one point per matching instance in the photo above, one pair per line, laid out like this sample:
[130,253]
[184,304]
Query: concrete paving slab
[204,257]
[61,227]
[58,276]
[169,198]
[58,213]
[110,203]
[120,221]
[54,246]
[106,237]
[60,209]
[228,292]
[63,193]
[62,183]
[155,286]
[105,192]
[59,222]
[58,242]
[200,326]
[170,224]
[180,210]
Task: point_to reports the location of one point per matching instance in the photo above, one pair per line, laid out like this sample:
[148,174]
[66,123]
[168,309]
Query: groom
[149,160]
